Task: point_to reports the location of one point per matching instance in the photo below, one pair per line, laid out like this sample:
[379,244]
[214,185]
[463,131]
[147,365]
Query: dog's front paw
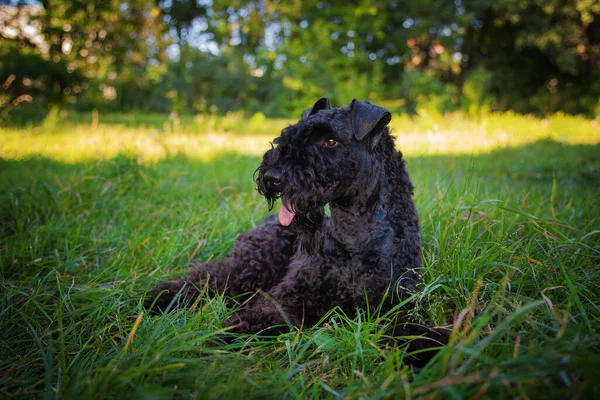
[165,296]
[234,325]
[426,344]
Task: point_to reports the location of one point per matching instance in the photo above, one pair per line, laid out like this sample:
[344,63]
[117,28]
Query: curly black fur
[367,253]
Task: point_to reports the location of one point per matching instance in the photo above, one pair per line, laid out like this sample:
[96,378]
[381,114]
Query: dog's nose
[272,178]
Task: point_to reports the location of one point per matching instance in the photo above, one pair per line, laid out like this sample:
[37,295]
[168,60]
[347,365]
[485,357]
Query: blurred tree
[543,55]
[278,56]
[58,49]
[181,15]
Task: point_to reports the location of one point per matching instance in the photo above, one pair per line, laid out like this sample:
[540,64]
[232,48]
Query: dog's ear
[368,120]
[321,104]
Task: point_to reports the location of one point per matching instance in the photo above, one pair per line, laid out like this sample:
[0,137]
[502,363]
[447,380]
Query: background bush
[187,56]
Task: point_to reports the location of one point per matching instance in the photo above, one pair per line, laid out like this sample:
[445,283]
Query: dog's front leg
[296,301]
[264,316]
[258,262]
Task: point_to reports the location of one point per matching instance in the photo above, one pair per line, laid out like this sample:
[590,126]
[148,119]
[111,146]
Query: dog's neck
[359,217]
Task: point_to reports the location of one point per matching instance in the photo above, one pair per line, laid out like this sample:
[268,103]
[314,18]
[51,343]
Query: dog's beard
[303,196]
[299,207]
[301,213]
[308,221]
[297,212]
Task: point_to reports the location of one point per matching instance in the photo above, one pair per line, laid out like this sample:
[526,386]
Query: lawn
[94,211]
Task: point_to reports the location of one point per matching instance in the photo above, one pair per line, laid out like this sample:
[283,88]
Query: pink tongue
[285,215]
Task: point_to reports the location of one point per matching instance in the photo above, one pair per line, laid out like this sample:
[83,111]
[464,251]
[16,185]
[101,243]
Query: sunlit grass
[107,142]
[206,138]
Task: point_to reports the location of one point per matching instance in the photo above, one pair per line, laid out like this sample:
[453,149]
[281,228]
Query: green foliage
[425,91]
[26,74]
[476,97]
[191,57]
[542,55]
[62,50]
[92,215]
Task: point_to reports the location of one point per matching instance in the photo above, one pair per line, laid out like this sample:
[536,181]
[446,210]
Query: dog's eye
[329,142]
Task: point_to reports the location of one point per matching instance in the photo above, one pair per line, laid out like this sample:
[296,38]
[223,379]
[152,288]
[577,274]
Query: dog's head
[327,156]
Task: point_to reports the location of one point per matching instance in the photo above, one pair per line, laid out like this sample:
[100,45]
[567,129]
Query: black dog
[367,254]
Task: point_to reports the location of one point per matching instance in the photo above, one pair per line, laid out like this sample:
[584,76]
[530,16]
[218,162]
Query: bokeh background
[277,57]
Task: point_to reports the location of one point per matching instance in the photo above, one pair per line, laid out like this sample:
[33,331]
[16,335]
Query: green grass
[93,215]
